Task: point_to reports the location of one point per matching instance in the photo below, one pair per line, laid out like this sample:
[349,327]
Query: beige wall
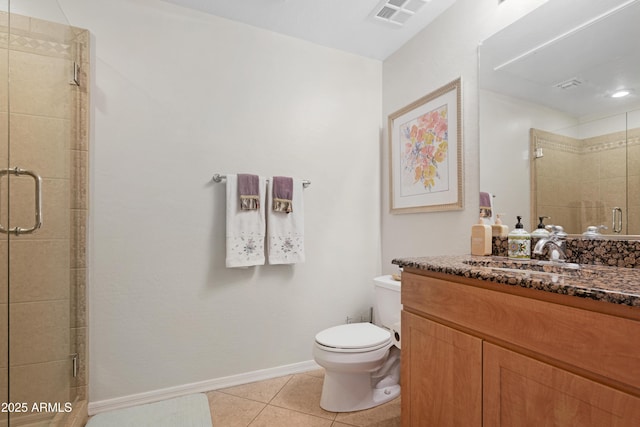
[181,95]
[47,269]
[445,50]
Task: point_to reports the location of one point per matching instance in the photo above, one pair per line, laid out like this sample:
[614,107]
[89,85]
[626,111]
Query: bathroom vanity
[490,342]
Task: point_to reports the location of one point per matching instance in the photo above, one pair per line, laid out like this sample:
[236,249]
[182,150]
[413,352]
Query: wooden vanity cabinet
[474,354]
[441,375]
[522,391]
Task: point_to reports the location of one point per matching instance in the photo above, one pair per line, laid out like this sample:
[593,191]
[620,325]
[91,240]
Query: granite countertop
[610,284]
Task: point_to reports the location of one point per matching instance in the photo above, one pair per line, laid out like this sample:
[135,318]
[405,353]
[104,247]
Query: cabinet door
[441,375]
[521,391]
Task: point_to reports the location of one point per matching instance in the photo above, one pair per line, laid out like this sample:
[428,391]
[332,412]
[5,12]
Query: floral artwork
[425,141]
[425,153]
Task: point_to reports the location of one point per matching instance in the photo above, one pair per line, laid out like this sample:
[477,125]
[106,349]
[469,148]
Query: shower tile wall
[4,308]
[558,183]
[604,161]
[579,182]
[79,212]
[48,128]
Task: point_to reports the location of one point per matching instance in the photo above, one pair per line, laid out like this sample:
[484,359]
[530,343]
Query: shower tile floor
[292,401]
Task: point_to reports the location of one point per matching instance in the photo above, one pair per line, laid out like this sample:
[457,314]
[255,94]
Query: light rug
[185,411]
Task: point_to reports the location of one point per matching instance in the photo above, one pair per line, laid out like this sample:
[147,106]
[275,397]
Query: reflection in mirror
[580,179]
[545,85]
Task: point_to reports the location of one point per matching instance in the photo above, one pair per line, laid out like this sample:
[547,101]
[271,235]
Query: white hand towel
[245,228]
[285,231]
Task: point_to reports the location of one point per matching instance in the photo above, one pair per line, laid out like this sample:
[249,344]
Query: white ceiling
[596,42]
[346,25]
[531,56]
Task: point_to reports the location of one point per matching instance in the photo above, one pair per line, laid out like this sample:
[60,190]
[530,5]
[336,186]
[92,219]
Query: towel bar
[218,178]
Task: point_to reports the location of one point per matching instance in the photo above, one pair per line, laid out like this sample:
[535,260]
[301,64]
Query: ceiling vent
[397,12]
[568,84]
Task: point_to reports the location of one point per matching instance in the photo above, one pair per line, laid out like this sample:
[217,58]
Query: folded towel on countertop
[285,229]
[282,194]
[245,228]
[249,191]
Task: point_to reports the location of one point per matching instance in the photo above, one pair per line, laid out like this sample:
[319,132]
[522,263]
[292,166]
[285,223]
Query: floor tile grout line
[335,414]
[332,420]
[305,413]
[241,397]
[258,414]
[280,389]
[222,390]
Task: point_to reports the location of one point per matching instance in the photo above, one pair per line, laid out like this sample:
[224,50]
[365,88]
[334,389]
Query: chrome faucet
[557,243]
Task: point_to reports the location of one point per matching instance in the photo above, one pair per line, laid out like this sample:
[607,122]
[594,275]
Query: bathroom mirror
[555,71]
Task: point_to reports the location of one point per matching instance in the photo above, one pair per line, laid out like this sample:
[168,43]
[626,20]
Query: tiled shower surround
[579,181]
[46,117]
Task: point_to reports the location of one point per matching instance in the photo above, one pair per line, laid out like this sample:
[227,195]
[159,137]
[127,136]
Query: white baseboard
[199,387]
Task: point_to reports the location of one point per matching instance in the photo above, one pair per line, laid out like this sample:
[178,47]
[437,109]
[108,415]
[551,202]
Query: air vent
[397,12]
[568,84]
[386,13]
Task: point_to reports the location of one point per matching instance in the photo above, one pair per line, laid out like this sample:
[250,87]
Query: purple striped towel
[249,192]
[282,194]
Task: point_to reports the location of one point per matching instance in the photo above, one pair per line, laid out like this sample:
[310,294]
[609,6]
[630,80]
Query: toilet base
[358,380]
[343,392]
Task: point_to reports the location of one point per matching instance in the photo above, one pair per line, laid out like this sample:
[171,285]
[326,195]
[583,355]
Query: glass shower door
[37,128]
[4,239]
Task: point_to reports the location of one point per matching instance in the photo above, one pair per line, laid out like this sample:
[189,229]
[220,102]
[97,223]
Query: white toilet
[362,360]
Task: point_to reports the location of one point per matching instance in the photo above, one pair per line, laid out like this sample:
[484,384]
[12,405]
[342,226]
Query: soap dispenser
[519,242]
[541,231]
[499,229]
[480,238]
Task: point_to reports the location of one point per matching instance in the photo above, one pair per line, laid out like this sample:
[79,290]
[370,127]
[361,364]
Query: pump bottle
[480,238]
[540,231]
[499,229]
[519,242]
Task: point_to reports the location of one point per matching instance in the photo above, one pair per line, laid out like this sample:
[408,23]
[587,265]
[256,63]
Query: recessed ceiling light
[620,93]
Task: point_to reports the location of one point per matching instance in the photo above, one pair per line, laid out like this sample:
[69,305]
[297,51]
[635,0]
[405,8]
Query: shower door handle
[38,190]
[617,220]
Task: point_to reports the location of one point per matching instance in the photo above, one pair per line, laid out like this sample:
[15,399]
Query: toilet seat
[353,337]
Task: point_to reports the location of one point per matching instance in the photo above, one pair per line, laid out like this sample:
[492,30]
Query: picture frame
[426,153]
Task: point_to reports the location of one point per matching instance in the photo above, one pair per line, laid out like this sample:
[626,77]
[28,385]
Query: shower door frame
[54,59]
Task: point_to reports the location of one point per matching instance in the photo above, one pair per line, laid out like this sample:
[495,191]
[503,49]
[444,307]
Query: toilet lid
[354,336]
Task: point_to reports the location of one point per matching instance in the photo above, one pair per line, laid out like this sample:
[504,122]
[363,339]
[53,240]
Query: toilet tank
[386,307]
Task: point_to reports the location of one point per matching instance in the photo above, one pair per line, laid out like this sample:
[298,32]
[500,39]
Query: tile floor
[291,401]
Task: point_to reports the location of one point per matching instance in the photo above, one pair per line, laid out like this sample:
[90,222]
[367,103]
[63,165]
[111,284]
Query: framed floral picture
[425,153]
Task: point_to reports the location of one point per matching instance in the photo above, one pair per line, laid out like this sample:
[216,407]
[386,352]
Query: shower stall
[44,65]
